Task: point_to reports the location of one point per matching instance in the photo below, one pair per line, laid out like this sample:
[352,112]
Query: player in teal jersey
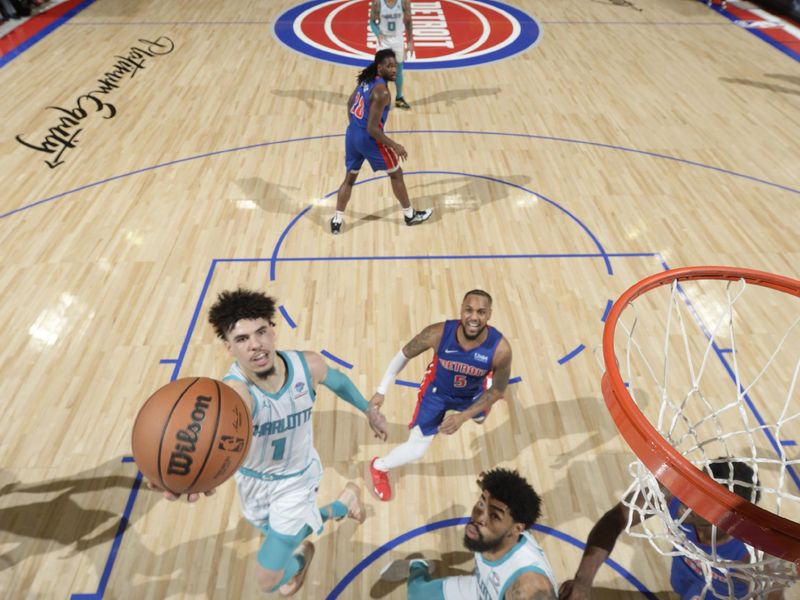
[281,474]
[390,21]
[509,563]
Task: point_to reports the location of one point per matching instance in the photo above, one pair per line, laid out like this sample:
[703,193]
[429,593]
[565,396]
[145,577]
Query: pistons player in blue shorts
[367,110]
[469,372]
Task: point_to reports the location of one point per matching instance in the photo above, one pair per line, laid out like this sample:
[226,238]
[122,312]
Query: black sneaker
[336,227]
[401,103]
[419,216]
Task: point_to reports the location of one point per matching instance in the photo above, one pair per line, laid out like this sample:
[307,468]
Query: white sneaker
[419,216]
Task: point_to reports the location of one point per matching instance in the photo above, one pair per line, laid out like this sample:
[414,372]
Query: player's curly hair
[230,307]
[510,488]
[371,71]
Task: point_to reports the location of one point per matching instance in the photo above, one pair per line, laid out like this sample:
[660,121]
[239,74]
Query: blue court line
[580,223]
[168,361]
[571,354]
[751,405]
[12,54]
[788,443]
[336,359]
[287,317]
[460,174]
[127,459]
[627,575]
[400,539]
[609,304]
[514,380]
[282,237]
[426,131]
[193,322]
[411,384]
[726,350]
[123,524]
[449,257]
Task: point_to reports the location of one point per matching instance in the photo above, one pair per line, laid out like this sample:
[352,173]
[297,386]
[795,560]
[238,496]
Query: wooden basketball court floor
[633,136]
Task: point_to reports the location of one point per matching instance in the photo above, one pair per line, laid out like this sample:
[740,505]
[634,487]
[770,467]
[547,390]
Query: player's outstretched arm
[426,339]
[601,542]
[530,586]
[341,385]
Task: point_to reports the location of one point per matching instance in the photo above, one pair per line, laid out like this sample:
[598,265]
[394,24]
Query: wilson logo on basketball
[180,461]
[447,33]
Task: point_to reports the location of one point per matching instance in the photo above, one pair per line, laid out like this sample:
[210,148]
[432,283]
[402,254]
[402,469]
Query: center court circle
[447,33]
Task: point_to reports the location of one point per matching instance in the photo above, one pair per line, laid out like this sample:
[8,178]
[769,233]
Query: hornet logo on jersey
[447,33]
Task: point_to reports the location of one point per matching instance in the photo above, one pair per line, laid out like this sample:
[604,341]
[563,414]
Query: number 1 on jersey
[279,447]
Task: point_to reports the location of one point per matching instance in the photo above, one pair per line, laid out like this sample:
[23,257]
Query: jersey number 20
[357,109]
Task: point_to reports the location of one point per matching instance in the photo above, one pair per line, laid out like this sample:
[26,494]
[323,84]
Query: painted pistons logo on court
[447,33]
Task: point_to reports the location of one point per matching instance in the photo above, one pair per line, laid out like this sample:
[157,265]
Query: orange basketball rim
[775,535]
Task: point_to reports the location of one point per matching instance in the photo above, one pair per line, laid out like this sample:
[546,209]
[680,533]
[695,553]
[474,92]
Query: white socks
[338,217]
[408,452]
[408,212]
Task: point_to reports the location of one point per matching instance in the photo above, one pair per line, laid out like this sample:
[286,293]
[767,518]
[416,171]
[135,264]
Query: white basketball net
[716,371]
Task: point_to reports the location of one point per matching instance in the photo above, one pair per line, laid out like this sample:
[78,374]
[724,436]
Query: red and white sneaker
[380,482]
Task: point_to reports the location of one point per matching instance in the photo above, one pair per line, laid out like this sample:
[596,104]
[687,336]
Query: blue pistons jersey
[359,110]
[687,577]
[459,373]
[454,379]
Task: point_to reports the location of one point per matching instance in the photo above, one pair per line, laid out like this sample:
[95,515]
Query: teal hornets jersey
[495,577]
[282,443]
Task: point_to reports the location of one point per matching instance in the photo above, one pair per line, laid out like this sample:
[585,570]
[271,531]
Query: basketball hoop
[703,363]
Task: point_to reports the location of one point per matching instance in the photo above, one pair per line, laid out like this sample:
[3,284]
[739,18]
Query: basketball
[191,435]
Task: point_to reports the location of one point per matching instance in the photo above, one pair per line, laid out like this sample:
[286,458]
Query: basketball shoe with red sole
[380,482]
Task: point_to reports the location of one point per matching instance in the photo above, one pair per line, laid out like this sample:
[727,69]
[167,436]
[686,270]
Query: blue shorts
[358,145]
[431,409]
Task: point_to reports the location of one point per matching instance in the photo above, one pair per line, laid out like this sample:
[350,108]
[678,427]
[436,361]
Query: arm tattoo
[425,340]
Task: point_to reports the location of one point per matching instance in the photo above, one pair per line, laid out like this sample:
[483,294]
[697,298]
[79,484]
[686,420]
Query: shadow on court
[341,453]
[272,198]
[458,193]
[448,98]
[311,98]
[43,517]
[452,97]
[768,86]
